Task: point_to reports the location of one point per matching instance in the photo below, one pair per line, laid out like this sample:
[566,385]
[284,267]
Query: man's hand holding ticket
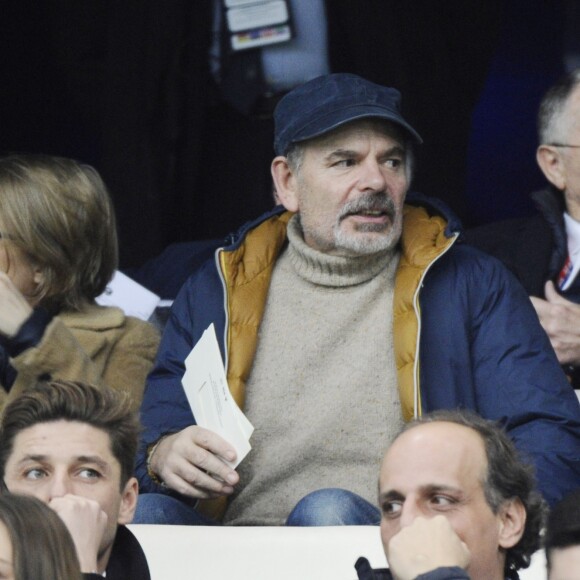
[200,460]
[207,391]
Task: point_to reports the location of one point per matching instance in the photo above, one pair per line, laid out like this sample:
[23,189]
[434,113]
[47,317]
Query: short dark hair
[102,408]
[563,529]
[42,546]
[551,125]
[508,477]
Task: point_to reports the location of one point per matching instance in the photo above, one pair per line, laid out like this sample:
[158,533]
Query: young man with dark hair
[73,446]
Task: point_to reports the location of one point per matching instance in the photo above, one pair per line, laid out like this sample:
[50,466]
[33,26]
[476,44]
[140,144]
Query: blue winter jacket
[466,335]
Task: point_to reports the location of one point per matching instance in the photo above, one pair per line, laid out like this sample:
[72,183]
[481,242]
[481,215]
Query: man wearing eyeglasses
[544,251]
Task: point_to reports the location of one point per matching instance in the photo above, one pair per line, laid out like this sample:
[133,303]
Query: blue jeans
[157,508]
[333,507]
[324,507]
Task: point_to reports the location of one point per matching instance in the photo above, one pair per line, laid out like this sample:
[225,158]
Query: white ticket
[209,396]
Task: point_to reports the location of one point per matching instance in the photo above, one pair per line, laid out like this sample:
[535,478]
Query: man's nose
[372,177]
[58,486]
[409,511]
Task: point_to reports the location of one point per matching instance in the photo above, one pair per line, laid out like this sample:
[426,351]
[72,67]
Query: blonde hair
[59,213]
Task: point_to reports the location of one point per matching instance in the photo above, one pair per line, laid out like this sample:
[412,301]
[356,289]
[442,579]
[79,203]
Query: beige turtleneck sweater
[322,394]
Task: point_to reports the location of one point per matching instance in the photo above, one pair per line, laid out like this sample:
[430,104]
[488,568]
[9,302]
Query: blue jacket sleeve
[483,348]
[165,408]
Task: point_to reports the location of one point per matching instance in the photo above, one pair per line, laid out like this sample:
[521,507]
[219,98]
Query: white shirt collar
[573,236]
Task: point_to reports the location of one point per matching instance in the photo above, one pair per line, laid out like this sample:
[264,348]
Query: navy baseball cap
[329,101]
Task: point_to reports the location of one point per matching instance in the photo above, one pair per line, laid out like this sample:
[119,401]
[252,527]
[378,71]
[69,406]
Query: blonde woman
[58,251]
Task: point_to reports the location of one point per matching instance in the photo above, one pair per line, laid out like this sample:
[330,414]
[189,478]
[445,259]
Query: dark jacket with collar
[533,248]
[127,561]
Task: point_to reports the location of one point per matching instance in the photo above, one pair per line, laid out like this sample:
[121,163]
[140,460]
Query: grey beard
[360,246]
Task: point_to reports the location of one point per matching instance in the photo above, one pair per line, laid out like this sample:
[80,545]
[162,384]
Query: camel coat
[98,345]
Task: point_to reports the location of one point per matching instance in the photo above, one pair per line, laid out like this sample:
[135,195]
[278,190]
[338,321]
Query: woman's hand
[14,309]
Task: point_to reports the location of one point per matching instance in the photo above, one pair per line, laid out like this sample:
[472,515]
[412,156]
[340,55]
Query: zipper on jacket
[416,387]
[222,277]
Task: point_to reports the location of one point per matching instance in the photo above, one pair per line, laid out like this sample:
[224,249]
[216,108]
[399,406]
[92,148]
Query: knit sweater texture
[335,360]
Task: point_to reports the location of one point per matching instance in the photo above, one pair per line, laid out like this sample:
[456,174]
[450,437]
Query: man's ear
[512,522]
[128,502]
[285,183]
[550,161]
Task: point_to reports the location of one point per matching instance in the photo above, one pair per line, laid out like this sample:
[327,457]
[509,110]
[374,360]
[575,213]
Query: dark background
[66,66]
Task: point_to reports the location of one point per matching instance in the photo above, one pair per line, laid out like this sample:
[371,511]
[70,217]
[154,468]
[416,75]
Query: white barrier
[268,553]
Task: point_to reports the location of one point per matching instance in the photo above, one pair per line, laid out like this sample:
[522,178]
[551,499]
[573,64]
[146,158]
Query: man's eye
[34,474]
[344,163]
[391,508]
[442,500]
[88,473]
[394,163]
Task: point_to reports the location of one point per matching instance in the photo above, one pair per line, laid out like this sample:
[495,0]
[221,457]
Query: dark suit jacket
[127,561]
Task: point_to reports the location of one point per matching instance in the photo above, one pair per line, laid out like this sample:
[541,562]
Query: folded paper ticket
[209,396]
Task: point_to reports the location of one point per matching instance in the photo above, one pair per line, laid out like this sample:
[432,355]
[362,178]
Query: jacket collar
[127,561]
[550,203]
[94,317]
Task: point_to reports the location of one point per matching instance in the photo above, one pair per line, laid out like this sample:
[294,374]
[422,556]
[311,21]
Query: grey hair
[295,155]
[552,124]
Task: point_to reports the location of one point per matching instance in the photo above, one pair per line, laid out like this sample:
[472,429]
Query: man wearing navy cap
[343,313]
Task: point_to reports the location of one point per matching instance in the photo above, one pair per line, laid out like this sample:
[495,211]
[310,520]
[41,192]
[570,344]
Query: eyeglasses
[564,145]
